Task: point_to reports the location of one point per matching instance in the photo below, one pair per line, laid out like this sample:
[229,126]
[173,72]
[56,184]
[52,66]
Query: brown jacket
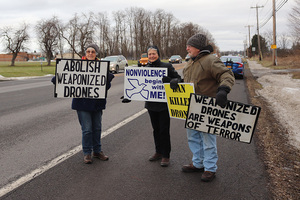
[207,72]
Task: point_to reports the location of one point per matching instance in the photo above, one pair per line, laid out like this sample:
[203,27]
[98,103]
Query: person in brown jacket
[211,78]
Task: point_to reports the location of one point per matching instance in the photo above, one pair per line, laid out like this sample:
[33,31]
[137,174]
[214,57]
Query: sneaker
[208,176]
[156,156]
[100,156]
[87,159]
[165,162]
[191,168]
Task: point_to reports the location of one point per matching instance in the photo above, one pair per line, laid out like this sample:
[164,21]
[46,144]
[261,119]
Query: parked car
[117,63]
[143,60]
[175,59]
[235,63]
[187,57]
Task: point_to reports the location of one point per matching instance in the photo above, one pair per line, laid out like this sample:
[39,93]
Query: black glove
[125,100]
[221,96]
[166,79]
[53,80]
[174,83]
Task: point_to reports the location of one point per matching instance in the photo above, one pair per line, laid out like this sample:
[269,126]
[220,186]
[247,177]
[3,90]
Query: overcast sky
[226,20]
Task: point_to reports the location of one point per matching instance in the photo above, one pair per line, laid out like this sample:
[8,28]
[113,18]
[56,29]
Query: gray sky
[226,20]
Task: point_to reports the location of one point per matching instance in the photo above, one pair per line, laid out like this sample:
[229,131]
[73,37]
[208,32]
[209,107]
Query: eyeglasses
[92,52]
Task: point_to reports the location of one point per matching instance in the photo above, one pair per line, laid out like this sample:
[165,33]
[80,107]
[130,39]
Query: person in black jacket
[158,111]
[89,113]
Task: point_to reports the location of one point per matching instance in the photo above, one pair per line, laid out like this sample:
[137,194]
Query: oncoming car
[117,63]
[144,60]
[187,57]
[175,59]
[235,63]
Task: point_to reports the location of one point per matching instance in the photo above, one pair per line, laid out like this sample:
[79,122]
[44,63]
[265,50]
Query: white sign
[81,78]
[145,83]
[236,121]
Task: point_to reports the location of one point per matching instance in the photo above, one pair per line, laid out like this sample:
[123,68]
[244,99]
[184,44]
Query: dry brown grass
[289,62]
[282,160]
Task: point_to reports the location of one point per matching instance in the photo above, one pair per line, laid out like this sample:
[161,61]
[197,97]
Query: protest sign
[178,99]
[236,121]
[145,83]
[81,78]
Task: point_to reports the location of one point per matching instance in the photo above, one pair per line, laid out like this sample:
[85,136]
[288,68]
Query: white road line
[35,173]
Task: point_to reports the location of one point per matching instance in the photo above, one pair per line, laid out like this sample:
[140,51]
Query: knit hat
[155,48]
[198,41]
[94,46]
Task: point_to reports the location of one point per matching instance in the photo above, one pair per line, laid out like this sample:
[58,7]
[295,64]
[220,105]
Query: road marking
[35,173]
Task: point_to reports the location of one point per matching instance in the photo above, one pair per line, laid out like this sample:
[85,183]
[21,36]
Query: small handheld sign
[178,99]
[81,78]
[145,83]
[236,121]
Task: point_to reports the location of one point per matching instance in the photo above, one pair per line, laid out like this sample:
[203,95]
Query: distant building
[22,56]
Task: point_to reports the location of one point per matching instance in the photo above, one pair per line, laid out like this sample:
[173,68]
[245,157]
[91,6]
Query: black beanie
[155,48]
[198,41]
[94,46]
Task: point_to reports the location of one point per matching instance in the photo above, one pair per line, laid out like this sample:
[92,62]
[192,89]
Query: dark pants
[161,131]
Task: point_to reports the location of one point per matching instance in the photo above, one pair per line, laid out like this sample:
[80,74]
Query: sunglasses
[92,52]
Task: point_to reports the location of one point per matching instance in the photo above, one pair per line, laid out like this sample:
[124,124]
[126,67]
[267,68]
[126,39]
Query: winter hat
[94,46]
[198,41]
[155,48]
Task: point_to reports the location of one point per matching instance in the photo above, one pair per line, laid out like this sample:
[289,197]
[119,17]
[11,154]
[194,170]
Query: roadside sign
[273,46]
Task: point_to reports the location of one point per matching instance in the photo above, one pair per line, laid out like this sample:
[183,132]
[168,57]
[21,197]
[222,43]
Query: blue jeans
[204,149]
[91,131]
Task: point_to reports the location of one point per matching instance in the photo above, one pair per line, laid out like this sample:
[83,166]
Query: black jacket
[172,73]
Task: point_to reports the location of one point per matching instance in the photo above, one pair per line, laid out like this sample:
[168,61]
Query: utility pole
[274,47]
[249,49]
[258,37]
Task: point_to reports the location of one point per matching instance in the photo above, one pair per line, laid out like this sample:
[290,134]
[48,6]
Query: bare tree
[134,29]
[48,32]
[139,19]
[294,19]
[268,35]
[15,40]
[79,32]
[103,25]
[283,41]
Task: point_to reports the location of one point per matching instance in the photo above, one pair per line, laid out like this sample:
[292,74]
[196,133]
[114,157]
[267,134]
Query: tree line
[129,33]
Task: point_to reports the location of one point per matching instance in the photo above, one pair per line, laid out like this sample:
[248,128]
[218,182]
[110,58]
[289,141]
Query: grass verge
[282,160]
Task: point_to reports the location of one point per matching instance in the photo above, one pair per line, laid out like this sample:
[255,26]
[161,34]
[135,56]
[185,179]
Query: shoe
[100,156]
[191,168]
[165,162]
[155,157]
[208,176]
[87,159]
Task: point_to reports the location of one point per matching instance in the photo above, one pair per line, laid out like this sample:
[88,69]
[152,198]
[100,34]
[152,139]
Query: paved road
[128,174]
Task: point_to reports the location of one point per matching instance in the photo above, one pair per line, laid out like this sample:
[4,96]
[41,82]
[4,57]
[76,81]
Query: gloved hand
[174,83]
[221,96]
[125,100]
[166,79]
[53,80]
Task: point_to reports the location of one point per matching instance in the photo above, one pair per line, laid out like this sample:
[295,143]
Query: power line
[279,6]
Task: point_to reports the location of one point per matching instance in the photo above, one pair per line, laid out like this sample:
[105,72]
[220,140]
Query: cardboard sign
[145,83]
[81,78]
[179,99]
[236,121]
